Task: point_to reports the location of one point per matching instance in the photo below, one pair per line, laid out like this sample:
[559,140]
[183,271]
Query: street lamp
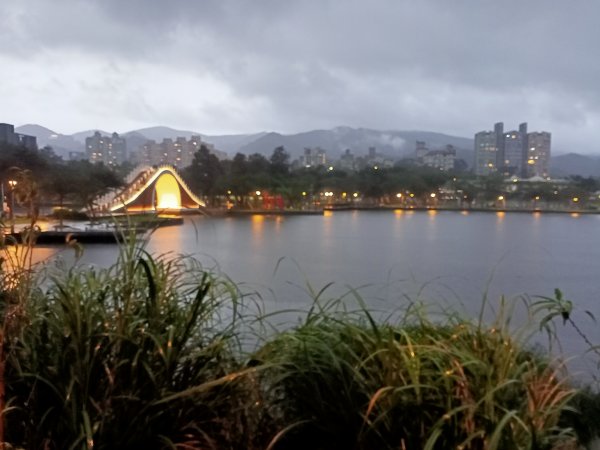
[501,202]
[12,184]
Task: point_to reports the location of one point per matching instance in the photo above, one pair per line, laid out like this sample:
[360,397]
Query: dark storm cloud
[455,67]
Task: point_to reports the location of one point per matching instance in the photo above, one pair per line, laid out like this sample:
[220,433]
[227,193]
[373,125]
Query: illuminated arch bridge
[150,189]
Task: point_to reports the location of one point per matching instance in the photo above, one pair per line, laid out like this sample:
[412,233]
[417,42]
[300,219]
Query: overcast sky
[237,66]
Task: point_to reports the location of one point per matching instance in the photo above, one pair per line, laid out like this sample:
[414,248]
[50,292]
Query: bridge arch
[153,190]
[167,194]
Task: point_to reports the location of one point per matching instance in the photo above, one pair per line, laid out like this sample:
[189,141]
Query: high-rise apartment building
[420,151]
[486,153]
[441,159]
[515,152]
[27,141]
[8,135]
[538,154]
[510,153]
[347,161]
[108,150]
[178,153]
[314,157]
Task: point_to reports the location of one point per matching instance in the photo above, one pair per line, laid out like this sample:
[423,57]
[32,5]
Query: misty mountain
[232,143]
[42,133]
[135,140]
[575,164]
[80,136]
[395,144]
[62,144]
[227,143]
[159,133]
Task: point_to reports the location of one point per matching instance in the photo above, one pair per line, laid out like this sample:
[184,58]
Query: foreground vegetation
[157,352]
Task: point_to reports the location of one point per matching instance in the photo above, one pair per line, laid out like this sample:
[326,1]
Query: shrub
[68,214]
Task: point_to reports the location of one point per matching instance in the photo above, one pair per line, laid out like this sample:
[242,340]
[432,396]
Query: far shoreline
[217,212]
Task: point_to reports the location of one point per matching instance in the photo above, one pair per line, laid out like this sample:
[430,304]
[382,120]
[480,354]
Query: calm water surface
[448,258]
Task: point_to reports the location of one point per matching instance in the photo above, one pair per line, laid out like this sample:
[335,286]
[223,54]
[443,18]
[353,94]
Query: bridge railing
[136,171]
[115,196]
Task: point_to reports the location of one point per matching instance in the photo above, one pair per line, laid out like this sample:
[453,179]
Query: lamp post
[12,184]
[501,202]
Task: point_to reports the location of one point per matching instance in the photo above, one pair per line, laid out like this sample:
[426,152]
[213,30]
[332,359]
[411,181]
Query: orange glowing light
[168,195]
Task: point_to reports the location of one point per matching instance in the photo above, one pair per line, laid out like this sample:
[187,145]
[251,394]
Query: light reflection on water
[395,256]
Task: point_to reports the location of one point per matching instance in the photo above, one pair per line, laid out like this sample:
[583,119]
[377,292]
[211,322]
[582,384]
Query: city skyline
[234,67]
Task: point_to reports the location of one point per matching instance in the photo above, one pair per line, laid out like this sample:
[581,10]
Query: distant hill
[232,143]
[135,140]
[61,143]
[36,130]
[159,133]
[80,136]
[395,144]
[575,164]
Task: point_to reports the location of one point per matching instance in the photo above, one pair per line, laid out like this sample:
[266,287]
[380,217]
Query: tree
[239,165]
[204,173]
[23,158]
[493,186]
[91,181]
[279,160]
[257,163]
[26,191]
[61,184]
[238,179]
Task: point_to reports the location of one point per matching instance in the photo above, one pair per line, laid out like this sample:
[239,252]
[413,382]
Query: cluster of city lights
[399,195]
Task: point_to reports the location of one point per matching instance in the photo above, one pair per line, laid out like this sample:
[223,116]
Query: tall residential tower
[538,155]
[514,152]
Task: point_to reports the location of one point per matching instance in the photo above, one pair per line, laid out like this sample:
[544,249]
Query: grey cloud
[450,66]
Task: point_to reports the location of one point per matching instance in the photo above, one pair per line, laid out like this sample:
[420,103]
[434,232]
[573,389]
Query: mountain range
[395,144]
[392,143]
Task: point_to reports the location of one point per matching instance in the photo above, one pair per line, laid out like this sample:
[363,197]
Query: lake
[445,257]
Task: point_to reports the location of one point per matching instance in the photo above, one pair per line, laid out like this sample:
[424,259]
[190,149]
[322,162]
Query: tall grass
[348,382]
[139,355]
[149,353]
[17,286]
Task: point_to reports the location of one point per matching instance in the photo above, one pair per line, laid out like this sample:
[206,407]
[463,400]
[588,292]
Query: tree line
[236,180]
[43,178]
[40,177]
